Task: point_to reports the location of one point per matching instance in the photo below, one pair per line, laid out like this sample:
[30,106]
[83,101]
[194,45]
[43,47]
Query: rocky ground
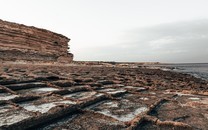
[99,97]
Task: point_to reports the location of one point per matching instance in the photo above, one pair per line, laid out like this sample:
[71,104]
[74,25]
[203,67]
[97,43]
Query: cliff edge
[21,43]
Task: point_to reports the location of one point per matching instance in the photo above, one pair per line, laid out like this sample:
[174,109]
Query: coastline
[198,70]
[114,96]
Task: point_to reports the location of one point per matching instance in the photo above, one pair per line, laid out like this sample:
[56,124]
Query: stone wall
[25,43]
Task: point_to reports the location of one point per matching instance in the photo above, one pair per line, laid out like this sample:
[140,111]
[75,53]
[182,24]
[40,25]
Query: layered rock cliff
[25,43]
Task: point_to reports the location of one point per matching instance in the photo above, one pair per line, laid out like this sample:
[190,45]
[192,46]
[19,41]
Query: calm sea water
[199,70]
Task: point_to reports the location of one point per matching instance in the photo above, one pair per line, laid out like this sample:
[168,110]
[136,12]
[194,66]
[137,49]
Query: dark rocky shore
[104,96]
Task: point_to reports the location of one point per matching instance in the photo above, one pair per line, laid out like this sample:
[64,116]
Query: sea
[199,70]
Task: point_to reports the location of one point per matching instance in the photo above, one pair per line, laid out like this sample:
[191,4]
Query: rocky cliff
[24,43]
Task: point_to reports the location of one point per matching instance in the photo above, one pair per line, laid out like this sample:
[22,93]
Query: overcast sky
[121,30]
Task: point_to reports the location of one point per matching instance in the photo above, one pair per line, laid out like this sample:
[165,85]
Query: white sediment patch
[113,85]
[107,90]
[43,108]
[183,94]
[117,91]
[125,117]
[7,96]
[120,110]
[111,104]
[197,102]
[12,118]
[153,93]
[5,108]
[81,95]
[178,93]
[119,85]
[46,89]
[206,116]
[38,90]
[194,98]
[112,91]
[99,94]
[144,98]
[165,69]
[135,88]
[131,87]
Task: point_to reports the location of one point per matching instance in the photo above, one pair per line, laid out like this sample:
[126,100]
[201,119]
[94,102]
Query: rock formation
[91,97]
[30,44]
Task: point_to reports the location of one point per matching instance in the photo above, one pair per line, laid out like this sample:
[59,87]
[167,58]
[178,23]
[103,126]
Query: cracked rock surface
[101,97]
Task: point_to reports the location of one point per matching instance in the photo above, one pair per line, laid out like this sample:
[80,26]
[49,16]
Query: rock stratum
[23,43]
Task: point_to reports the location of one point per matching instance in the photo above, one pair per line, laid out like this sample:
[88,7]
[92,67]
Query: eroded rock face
[24,43]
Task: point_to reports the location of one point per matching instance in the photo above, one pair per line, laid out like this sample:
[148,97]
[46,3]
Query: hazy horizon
[163,31]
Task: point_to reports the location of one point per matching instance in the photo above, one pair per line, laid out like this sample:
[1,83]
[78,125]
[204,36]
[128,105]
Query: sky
[168,31]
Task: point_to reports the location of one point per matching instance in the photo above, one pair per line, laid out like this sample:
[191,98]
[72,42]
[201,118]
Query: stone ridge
[19,42]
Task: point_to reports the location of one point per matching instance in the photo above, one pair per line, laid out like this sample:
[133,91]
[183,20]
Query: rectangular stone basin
[122,110]
[12,117]
[86,121]
[112,91]
[5,107]
[81,95]
[7,96]
[36,90]
[44,107]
